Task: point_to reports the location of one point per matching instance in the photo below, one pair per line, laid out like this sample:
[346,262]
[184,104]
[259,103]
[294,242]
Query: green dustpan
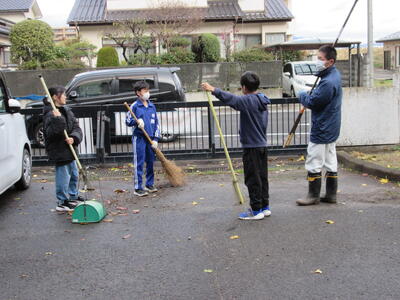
[89,212]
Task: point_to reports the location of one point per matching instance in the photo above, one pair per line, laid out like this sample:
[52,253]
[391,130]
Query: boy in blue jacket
[325,103]
[146,114]
[253,137]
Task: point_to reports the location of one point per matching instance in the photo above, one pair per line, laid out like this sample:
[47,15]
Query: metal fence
[188,130]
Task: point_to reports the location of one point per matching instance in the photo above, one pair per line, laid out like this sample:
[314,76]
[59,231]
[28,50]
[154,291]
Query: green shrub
[63,64]
[179,42]
[206,47]
[107,57]
[177,56]
[252,55]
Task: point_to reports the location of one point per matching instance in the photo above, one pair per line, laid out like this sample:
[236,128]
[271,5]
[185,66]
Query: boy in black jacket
[253,137]
[58,150]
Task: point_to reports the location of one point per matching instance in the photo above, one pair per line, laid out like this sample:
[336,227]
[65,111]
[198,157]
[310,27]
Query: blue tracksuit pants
[142,153]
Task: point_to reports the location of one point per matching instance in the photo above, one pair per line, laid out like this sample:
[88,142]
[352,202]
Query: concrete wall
[370,116]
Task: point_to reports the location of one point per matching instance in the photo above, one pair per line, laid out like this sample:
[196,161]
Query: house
[391,48]
[245,22]
[11,12]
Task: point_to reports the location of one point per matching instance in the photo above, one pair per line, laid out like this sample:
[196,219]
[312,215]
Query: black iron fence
[188,130]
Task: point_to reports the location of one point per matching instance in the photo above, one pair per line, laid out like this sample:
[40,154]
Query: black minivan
[113,86]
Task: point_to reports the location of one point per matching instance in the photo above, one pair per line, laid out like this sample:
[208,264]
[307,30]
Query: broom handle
[143,130]
[228,158]
[65,132]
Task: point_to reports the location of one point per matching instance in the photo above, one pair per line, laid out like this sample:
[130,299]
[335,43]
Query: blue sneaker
[252,215]
[266,211]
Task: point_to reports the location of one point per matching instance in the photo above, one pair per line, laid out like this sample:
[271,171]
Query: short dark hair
[140,85]
[250,80]
[57,90]
[329,51]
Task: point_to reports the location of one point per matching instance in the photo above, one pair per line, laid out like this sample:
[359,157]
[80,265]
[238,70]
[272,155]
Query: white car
[298,76]
[15,148]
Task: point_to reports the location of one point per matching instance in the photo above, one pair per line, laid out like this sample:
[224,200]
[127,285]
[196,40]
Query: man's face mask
[320,65]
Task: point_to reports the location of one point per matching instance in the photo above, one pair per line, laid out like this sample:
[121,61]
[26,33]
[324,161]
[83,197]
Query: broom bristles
[174,174]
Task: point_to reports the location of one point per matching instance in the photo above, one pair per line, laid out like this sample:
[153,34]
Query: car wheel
[38,135]
[26,176]
[292,93]
[168,137]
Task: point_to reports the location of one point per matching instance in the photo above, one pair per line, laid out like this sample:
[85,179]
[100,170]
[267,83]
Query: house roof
[392,37]
[95,11]
[310,43]
[15,5]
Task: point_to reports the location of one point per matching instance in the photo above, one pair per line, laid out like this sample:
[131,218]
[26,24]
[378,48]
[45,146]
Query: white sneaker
[64,208]
[252,215]
[266,211]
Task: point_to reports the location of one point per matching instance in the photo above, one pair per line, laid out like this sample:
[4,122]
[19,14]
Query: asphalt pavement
[186,243]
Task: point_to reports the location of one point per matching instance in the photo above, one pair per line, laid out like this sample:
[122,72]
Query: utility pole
[370,46]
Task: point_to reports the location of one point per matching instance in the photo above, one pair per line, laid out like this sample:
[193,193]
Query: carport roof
[392,37]
[309,44]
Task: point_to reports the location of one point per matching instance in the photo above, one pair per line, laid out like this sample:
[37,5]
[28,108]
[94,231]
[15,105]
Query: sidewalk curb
[366,167]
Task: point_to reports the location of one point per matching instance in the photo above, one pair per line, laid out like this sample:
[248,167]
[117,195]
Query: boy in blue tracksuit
[325,104]
[253,137]
[143,151]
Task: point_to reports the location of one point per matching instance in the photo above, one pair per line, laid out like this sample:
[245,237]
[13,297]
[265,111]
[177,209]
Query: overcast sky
[313,18]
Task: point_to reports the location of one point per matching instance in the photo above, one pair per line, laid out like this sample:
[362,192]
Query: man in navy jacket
[325,103]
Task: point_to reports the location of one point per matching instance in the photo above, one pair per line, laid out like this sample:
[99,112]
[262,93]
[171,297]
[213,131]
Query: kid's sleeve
[130,121]
[157,133]
[76,133]
[319,98]
[234,101]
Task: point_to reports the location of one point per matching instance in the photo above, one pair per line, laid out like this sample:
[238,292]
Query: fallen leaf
[119,191]
[136,211]
[221,185]
[23,276]
[360,211]
[234,237]
[384,180]
[194,203]
[43,180]
[364,184]
[317,271]
[49,253]
[130,165]
[34,176]
[329,222]
[201,198]
[389,166]
[122,214]
[114,169]
[17,198]
[301,158]
[107,220]
[52,210]
[365,174]
[122,208]
[126,236]
[83,239]
[208,271]
[126,179]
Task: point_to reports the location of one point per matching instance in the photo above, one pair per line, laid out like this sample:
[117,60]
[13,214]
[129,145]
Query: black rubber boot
[314,189]
[331,188]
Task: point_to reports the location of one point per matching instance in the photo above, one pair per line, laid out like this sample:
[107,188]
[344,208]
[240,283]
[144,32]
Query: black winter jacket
[57,149]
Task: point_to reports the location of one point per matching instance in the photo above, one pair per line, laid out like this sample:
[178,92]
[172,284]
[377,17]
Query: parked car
[298,76]
[15,149]
[114,86]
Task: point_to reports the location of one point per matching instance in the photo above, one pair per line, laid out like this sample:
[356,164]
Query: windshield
[305,69]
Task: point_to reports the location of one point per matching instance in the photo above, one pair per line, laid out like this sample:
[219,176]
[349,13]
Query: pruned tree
[171,18]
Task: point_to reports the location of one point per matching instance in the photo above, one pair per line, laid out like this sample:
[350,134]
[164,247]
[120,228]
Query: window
[126,83]
[305,69]
[2,98]
[94,88]
[274,38]
[288,68]
[245,41]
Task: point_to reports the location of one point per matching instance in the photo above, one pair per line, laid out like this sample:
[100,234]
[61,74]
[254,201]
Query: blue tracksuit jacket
[253,116]
[142,151]
[325,103]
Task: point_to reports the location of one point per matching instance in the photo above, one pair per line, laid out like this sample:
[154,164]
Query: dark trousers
[255,164]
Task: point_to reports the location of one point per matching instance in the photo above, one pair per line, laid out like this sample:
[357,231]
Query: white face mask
[320,65]
[146,96]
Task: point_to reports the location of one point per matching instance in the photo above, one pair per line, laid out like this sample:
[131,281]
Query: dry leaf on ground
[136,211]
[317,271]
[126,236]
[384,180]
[329,222]
[208,271]
[234,237]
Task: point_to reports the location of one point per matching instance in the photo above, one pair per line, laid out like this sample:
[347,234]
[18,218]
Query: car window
[126,83]
[94,88]
[2,98]
[306,69]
